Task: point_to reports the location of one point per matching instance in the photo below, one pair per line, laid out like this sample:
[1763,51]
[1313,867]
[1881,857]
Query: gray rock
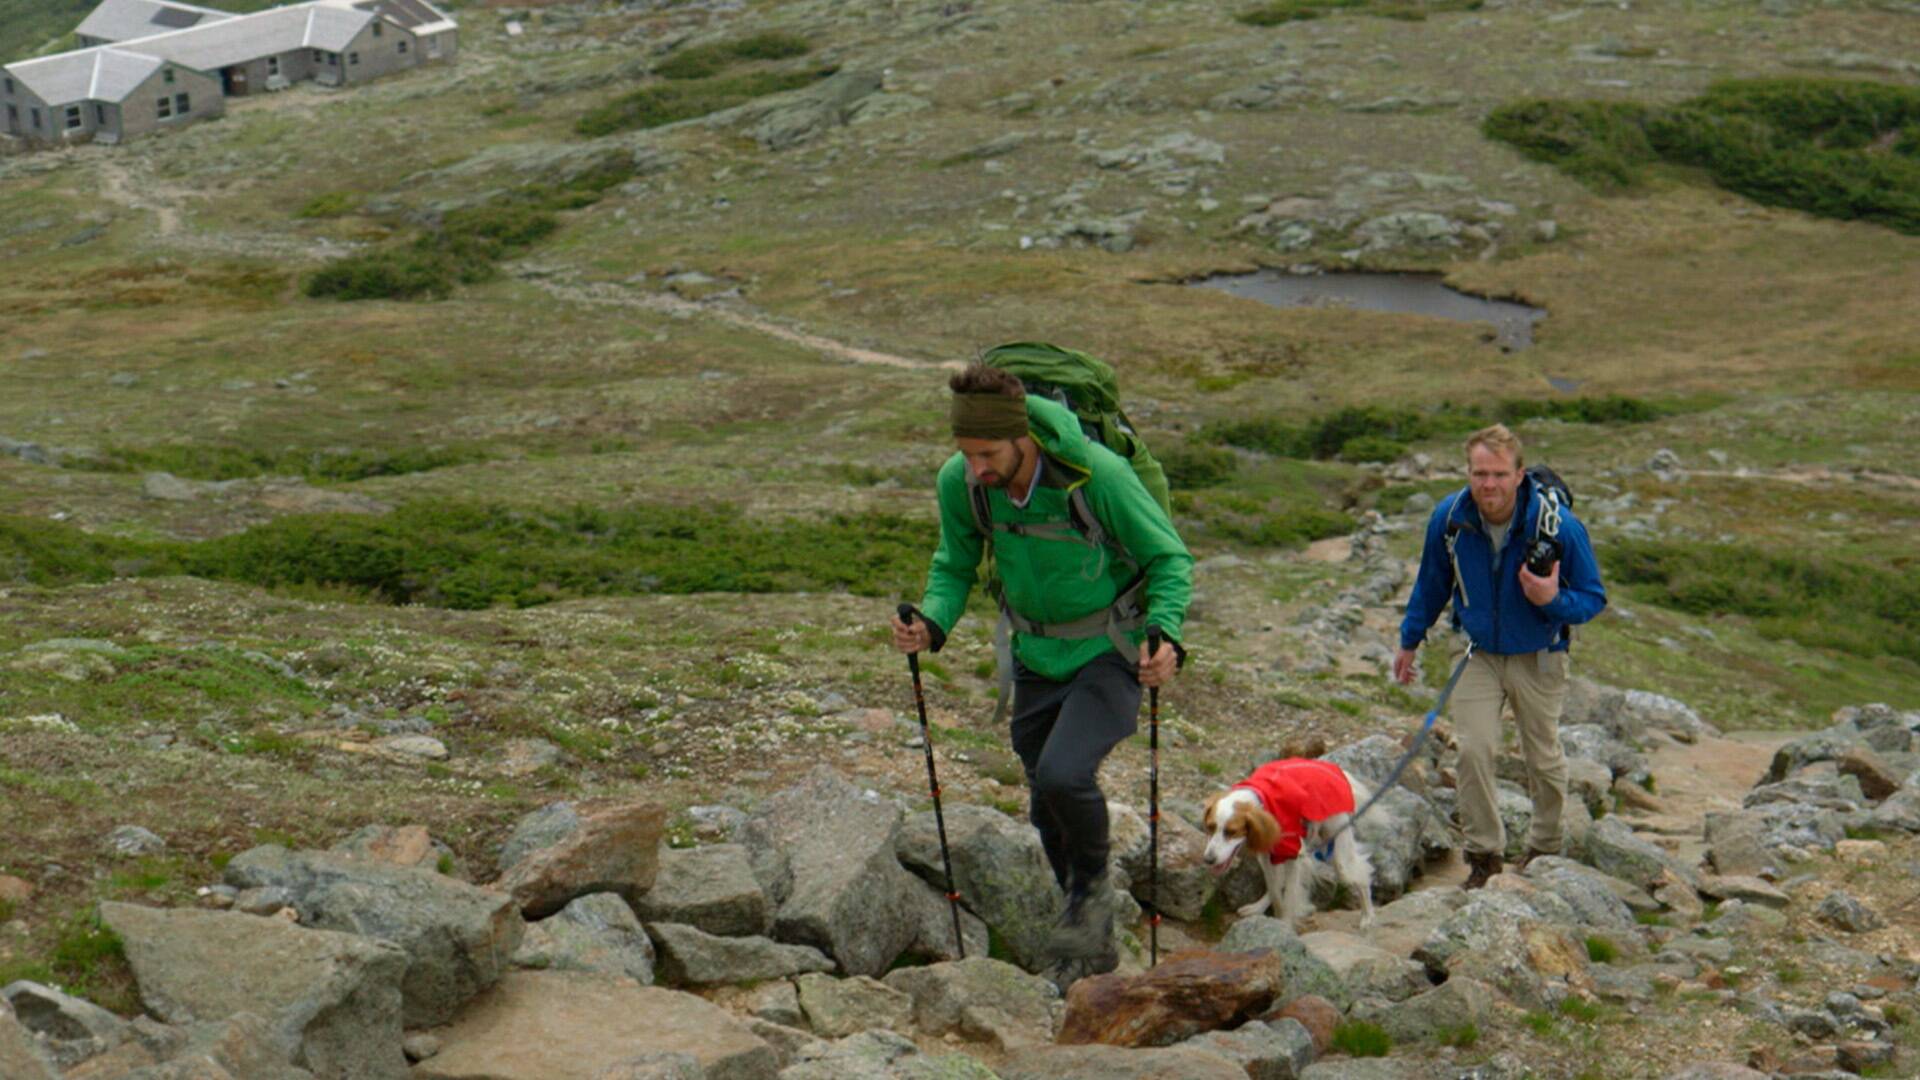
[332,1001]
[134,840]
[1614,849]
[1453,1004]
[1598,900]
[408,845]
[1824,745]
[1366,1069]
[999,870]
[1409,229]
[836,1008]
[980,999]
[1277,1051]
[1365,969]
[1185,882]
[458,938]
[71,1030]
[795,117]
[1849,914]
[847,894]
[932,916]
[655,1065]
[568,850]
[1303,972]
[1901,811]
[711,888]
[778,1003]
[1749,889]
[1595,743]
[693,957]
[1118,1063]
[1831,791]
[596,933]
[20,1054]
[1716,1070]
[790,1044]
[1734,843]
[1521,940]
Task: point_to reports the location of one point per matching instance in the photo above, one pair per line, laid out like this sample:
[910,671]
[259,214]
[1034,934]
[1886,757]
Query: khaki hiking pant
[1535,685]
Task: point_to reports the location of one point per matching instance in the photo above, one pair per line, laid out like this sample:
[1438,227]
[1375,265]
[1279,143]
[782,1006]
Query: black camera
[1542,553]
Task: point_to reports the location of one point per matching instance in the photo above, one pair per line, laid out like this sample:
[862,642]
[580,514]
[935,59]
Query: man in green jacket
[1080,595]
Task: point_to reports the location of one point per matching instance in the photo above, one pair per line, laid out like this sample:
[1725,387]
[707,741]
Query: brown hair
[1498,439]
[980,378]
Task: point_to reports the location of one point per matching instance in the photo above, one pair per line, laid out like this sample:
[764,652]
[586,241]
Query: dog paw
[1255,908]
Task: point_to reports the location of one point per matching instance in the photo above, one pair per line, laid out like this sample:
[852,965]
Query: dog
[1286,812]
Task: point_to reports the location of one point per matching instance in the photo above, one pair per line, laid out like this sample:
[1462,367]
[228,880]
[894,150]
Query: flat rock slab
[1189,993]
[333,998]
[1117,1063]
[20,1055]
[537,1025]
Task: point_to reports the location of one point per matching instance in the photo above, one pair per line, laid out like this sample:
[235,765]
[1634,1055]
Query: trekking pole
[933,785]
[1153,808]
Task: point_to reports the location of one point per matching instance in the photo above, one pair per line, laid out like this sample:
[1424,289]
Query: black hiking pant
[1062,731]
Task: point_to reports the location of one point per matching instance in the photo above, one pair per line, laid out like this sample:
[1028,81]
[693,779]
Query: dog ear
[1263,832]
[1208,818]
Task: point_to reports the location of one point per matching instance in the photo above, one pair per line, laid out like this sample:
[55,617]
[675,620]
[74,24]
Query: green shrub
[706,61]
[1194,465]
[1265,435]
[385,274]
[1612,409]
[1809,144]
[771,45]
[1540,1023]
[696,63]
[1371,448]
[1817,600]
[201,461]
[1600,950]
[666,103]
[1361,1038]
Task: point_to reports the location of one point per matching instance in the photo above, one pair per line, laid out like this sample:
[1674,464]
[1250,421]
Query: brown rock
[15,890]
[1315,1013]
[542,1025]
[614,847]
[1876,780]
[1858,1056]
[407,845]
[1190,992]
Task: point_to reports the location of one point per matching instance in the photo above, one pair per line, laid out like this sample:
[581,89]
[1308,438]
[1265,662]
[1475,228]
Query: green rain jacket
[1056,581]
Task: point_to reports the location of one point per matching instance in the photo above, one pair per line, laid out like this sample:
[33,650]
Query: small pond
[1410,294]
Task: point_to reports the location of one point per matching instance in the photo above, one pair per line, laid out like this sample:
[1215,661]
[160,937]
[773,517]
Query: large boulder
[932,914]
[566,850]
[711,888]
[458,938]
[880,1055]
[999,869]
[1521,940]
[1117,1063]
[979,998]
[1190,992]
[243,1046]
[539,1025]
[693,957]
[331,1000]
[844,891]
[1596,898]
[594,933]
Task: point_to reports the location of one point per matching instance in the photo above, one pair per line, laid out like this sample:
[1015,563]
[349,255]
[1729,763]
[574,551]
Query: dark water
[1410,294]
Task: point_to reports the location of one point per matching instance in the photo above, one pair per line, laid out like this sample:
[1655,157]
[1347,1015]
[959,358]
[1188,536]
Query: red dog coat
[1297,791]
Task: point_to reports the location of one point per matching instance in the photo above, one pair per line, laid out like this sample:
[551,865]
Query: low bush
[1837,148]
[1379,433]
[1816,600]
[1195,465]
[706,61]
[1361,1038]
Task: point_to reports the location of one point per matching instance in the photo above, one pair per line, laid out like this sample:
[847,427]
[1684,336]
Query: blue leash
[1426,728]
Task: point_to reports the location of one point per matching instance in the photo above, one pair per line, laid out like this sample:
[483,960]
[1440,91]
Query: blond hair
[1499,439]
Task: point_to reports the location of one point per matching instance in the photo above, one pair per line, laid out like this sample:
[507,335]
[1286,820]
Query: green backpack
[1086,386]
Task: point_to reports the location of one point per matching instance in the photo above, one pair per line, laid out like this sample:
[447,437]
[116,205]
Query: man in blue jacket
[1518,625]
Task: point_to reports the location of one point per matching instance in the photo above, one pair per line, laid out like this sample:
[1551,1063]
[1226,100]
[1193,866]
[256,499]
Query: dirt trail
[1693,780]
[118,184]
[611,294]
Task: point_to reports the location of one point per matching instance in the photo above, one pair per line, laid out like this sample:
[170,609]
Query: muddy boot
[1084,931]
[1480,867]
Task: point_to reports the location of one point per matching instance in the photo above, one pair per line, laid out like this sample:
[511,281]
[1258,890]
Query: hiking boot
[1084,930]
[1064,973]
[1480,867]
